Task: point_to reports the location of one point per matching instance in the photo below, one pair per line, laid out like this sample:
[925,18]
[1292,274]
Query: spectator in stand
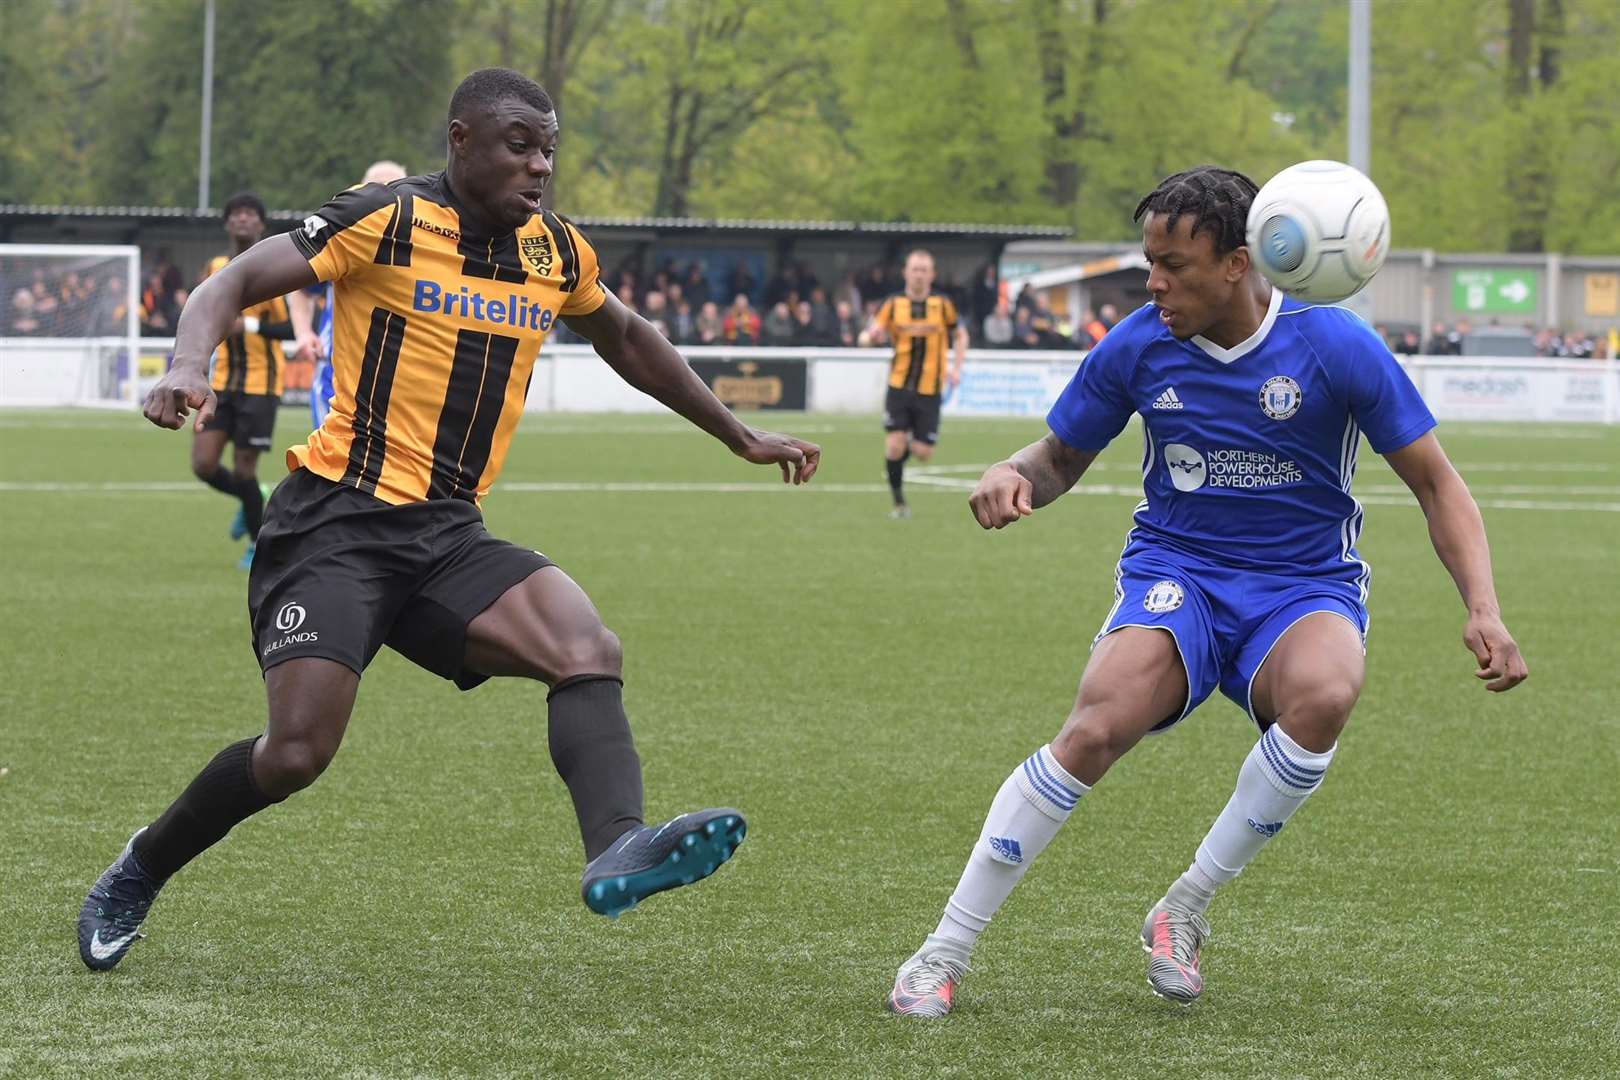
[848,292]
[779,325]
[1025,336]
[1548,342]
[823,320]
[742,326]
[711,328]
[682,322]
[696,286]
[24,323]
[160,308]
[1409,345]
[804,324]
[47,307]
[849,327]
[1109,314]
[1438,345]
[627,294]
[1092,330]
[657,313]
[111,307]
[998,326]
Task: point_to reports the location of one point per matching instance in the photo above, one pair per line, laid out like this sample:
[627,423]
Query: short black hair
[1218,198]
[249,200]
[486,87]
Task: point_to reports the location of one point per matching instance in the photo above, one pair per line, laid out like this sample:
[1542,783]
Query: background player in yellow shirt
[924,328]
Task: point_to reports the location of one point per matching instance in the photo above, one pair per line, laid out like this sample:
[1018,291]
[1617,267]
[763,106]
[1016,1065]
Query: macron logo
[1006,849]
[1168,400]
[511,310]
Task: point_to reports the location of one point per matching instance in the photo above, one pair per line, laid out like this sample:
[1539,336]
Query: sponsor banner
[756,383]
[1009,387]
[1567,392]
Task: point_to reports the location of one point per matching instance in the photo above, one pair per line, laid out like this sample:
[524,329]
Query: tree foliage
[1494,121]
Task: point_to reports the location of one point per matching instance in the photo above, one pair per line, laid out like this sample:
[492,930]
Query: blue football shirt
[1250,451]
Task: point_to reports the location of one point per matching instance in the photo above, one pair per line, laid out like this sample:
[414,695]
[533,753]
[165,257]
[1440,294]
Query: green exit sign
[1494,292]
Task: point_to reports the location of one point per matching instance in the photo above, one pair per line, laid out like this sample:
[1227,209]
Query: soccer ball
[1319,231]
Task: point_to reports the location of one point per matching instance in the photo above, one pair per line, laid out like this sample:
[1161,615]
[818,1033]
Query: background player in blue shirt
[1240,570]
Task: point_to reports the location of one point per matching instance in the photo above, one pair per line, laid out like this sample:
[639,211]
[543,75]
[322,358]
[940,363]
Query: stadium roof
[15,211]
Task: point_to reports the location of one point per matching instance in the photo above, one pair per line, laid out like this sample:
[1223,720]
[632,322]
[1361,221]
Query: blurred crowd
[1446,339]
[692,305]
[39,301]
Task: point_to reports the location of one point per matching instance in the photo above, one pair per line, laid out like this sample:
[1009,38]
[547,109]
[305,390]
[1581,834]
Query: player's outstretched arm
[1458,534]
[272,267]
[647,361]
[1031,478]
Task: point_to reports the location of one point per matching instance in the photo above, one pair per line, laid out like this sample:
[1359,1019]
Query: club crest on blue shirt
[1280,397]
[1165,596]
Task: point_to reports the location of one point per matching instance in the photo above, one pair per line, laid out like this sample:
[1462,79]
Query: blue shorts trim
[1225,622]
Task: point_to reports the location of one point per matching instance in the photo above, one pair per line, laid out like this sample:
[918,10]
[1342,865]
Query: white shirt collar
[1243,348]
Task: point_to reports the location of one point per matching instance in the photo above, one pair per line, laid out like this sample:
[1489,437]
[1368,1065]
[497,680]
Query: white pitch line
[938,485]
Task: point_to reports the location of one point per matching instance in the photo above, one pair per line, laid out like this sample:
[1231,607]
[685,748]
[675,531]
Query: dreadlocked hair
[1218,198]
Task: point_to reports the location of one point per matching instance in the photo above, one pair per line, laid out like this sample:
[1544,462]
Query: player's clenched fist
[175,394]
[1002,497]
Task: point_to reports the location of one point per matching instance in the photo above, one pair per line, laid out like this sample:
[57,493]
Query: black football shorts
[907,410]
[339,573]
[248,420]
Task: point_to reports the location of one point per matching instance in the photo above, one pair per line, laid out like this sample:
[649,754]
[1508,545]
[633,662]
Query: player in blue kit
[1240,570]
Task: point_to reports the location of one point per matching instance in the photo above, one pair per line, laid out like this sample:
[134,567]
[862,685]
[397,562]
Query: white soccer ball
[1319,231]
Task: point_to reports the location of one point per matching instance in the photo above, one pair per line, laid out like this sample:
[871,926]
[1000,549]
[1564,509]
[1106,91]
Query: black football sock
[897,469]
[221,795]
[591,747]
[247,489]
[222,481]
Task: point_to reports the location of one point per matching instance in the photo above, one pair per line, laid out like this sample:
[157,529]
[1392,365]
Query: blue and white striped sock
[1276,778]
[1027,812]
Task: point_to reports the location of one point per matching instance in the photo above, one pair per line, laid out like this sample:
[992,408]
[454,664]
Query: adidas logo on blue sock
[1007,848]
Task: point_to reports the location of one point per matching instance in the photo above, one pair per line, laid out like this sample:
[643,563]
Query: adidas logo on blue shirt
[1267,828]
[1008,849]
[1168,400]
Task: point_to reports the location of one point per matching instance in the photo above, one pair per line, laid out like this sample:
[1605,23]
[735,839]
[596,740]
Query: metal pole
[1360,153]
[203,165]
[1361,85]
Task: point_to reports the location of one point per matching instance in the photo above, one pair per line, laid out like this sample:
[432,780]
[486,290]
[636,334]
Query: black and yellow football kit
[921,331]
[376,537]
[434,336]
[247,374]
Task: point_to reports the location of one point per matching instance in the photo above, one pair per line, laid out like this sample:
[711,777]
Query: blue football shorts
[1225,620]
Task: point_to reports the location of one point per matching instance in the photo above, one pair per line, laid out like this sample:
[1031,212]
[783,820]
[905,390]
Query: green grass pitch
[1448,904]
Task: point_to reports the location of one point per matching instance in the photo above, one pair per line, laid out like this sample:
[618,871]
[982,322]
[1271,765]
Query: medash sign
[1582,391]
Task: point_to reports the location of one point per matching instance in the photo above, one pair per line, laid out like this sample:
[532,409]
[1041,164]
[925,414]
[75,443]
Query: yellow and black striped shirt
[921,331]
[252,363]
[434,336]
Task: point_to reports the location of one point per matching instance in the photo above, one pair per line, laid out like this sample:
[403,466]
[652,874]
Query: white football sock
[1024,816]
[1273,783]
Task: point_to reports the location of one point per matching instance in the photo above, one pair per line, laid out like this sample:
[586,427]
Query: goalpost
[70,325]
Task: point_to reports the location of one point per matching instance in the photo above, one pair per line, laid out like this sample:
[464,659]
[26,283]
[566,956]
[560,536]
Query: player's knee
[595,653]
[1314,712]
[201,469]
[1087,746]
[286,765]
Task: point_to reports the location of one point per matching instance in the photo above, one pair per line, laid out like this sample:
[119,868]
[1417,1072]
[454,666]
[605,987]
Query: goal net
[69,325]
